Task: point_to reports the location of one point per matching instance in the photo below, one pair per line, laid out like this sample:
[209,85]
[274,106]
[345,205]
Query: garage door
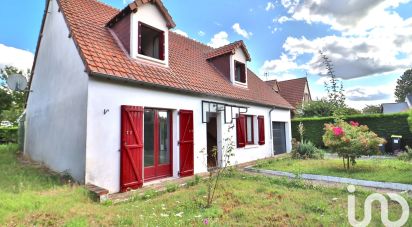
[279,137]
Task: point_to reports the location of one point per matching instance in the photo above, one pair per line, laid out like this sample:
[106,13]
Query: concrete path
[342,180]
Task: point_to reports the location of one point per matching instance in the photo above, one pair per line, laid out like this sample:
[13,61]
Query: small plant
[171,187]
[306,150]
[406,155]
[301,130]
[149,194]
[351,141]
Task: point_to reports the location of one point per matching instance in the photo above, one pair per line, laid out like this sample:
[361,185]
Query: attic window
[151,42]
[240,72]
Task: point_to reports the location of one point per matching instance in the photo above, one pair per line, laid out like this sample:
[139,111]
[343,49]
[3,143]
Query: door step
[98,193]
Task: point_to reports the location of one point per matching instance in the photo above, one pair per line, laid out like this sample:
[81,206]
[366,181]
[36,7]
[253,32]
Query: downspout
[271,130]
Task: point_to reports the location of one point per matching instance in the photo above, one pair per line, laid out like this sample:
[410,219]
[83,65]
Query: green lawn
[31,197]
[386,170]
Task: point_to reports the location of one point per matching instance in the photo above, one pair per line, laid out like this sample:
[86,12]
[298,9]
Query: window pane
[249,127]
[237,73]
[164,137]
[148,138]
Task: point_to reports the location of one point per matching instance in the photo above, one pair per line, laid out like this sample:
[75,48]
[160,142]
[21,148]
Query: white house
[118,100]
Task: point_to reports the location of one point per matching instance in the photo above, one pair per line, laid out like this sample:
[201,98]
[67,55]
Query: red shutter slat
[139,42]
[186,143]
[240,131]
[131,148]
[261,125]
[162,46]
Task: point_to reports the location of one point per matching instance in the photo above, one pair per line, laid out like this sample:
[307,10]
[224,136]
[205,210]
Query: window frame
[252,130]
[242,72]
[162,40]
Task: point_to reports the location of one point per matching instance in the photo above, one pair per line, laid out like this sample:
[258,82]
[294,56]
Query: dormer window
[151,42]
[240,72]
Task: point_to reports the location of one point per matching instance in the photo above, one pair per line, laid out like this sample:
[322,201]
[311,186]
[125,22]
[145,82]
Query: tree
[333,87]
[404,86]
[316,108]
[372,109]
[11,102]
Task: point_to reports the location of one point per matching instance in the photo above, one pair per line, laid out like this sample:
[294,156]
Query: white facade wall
[57,106]
[103,141]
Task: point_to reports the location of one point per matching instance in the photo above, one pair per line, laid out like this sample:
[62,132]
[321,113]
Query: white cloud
[18,58]
[219,39]
[282,77]
[360,96]
[201,33]
[281,65]
[236,27]
[270,6]
[284,19]
[180,32]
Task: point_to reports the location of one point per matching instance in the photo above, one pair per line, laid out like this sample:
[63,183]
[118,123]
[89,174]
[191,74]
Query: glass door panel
[164,137]
[149,134]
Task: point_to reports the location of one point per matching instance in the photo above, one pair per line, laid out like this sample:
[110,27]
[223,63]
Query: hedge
[384,125]
[8,135]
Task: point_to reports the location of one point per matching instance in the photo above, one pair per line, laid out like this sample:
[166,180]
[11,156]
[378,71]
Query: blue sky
[368,41]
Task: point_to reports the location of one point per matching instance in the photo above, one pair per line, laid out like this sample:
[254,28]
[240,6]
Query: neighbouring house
[388,108]
[295,91]
[118,100]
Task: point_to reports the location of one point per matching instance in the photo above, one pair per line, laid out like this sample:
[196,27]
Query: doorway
[279,137]
[157,155]
[212,153]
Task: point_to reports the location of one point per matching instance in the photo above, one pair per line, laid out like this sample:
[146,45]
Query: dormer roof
[134,6]
[229,49]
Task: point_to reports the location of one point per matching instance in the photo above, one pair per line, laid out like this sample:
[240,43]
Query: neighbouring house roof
[292,90]
[394,107]
[188,69]
[230,48]
[133,7]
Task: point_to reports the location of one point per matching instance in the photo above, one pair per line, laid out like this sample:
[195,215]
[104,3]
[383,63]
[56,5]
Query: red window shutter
[162,46]
[241,132]
[261,125]
[131,152]
[186,143]
[139,44]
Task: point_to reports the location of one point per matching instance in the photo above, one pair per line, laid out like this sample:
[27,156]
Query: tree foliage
[11,102]
[371,109]
[404,86]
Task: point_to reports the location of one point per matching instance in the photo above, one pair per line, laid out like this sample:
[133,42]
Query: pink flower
[337,131]
[354,123]
[206,221]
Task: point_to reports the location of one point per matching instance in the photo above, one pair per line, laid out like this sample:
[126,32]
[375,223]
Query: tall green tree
[404,86]
[11,102]
[371,109]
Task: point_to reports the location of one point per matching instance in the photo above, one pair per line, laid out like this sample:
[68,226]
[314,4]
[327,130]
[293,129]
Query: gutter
[271,130]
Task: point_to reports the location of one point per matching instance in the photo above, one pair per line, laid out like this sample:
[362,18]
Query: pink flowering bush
[351,140]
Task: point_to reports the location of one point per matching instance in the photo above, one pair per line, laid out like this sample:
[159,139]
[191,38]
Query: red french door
[131,148]
[157,157]
[186,143]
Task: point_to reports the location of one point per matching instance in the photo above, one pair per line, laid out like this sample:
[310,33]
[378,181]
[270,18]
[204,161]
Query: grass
[29,196]
[386,170]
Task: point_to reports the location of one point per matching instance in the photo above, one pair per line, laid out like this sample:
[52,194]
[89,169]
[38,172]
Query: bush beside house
[383,125]
[8,135]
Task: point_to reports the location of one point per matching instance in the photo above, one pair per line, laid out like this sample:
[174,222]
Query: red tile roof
[230,48]
[292,90]
[189,69]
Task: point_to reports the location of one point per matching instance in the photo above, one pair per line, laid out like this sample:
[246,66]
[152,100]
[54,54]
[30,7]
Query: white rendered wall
[150,15]
[103,141]
[57,105]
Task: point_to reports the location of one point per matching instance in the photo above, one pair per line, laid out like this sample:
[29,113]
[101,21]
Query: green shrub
[407,155]
[306,150]
[410,120]
[351,141]
[383,125]
[171,187]
[8,135]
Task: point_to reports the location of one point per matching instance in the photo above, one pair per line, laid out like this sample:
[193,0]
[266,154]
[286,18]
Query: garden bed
[30,196]
[385,170]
